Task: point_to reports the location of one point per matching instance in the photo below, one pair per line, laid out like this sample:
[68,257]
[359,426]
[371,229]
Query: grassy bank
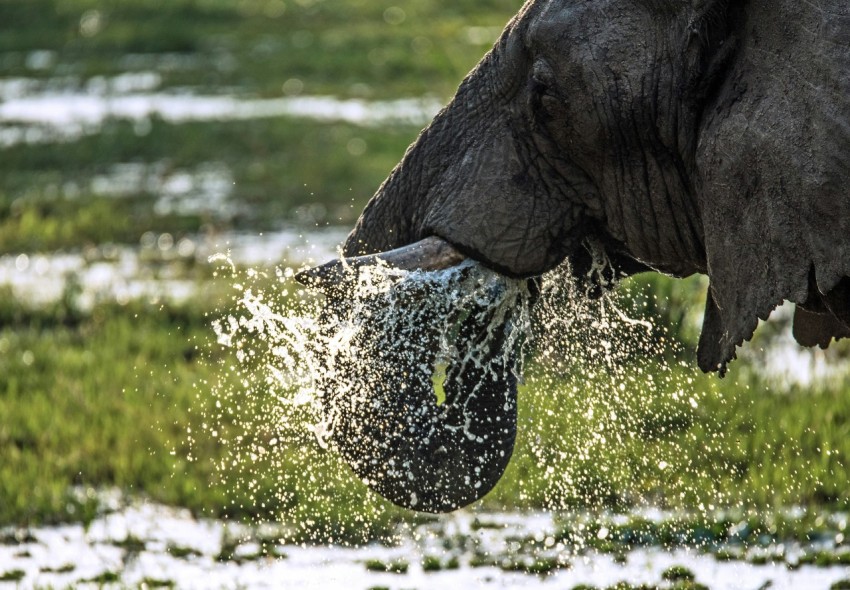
[62,195]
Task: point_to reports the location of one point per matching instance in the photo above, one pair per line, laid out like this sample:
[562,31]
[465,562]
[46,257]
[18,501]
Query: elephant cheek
[503,205]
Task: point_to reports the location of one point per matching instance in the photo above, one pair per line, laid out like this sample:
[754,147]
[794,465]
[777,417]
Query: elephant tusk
[432,253]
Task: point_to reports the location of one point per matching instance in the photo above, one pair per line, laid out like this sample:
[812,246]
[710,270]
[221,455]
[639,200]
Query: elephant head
[681,136]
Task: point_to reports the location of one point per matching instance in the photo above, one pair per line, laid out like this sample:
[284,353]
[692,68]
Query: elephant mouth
[419,391]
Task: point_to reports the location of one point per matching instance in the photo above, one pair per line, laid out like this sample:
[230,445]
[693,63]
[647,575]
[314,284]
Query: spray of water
[391,351]
[601,402]
[326,358]
[612,389]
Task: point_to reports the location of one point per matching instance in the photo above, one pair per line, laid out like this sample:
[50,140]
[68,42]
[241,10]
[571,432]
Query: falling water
[301,365]
[601,397]
[617,376]
[300,344]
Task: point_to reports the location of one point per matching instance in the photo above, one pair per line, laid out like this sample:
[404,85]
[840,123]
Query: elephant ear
[825,316]
[773,170]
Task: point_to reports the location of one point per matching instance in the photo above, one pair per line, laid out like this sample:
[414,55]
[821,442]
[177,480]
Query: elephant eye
[538,88]
[542,88]
[542,77]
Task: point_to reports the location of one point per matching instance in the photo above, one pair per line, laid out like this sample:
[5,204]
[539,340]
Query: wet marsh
[113,382]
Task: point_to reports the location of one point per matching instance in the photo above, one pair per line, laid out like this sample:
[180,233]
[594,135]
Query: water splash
[617,389]
[323,358]
[606,408]
[390,337]
[301,371]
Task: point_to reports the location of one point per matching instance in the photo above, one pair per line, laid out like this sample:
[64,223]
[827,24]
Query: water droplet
[293,87]
[394,15]
[165,242]
[91,23]
[356,146]
[22,262]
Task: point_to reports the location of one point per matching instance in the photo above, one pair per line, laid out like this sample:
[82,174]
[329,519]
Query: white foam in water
[67,555]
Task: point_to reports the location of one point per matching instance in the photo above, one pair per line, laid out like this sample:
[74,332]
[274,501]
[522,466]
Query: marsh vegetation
[125,391]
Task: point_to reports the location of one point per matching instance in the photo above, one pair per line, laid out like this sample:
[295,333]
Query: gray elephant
[681,136]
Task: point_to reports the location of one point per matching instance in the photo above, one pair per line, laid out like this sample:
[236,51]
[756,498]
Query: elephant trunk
[381,409]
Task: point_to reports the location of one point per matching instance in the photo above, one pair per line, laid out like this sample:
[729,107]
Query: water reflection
[137,542]
[203,190]
[159,268]
[34,111]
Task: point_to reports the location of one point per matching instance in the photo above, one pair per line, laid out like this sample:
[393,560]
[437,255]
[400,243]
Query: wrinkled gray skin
[682,136]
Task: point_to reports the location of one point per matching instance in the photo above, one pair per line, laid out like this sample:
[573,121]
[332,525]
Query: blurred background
[140,137]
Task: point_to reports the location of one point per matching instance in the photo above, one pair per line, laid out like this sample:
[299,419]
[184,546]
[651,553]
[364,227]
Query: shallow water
[204,190]
[159,269]
[33,111]
[136,540]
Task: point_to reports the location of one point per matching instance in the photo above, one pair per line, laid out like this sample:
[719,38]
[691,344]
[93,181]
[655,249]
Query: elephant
[675,136]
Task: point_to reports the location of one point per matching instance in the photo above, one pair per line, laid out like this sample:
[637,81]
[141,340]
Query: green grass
[333,47]
[99,402]
[744,446]
[392,567]
[182,552]
[62,569]
[157,583]
[678,573]
[277,166]
[108,399]
[106,577]
[434,563]
[15,575]
[124,396]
